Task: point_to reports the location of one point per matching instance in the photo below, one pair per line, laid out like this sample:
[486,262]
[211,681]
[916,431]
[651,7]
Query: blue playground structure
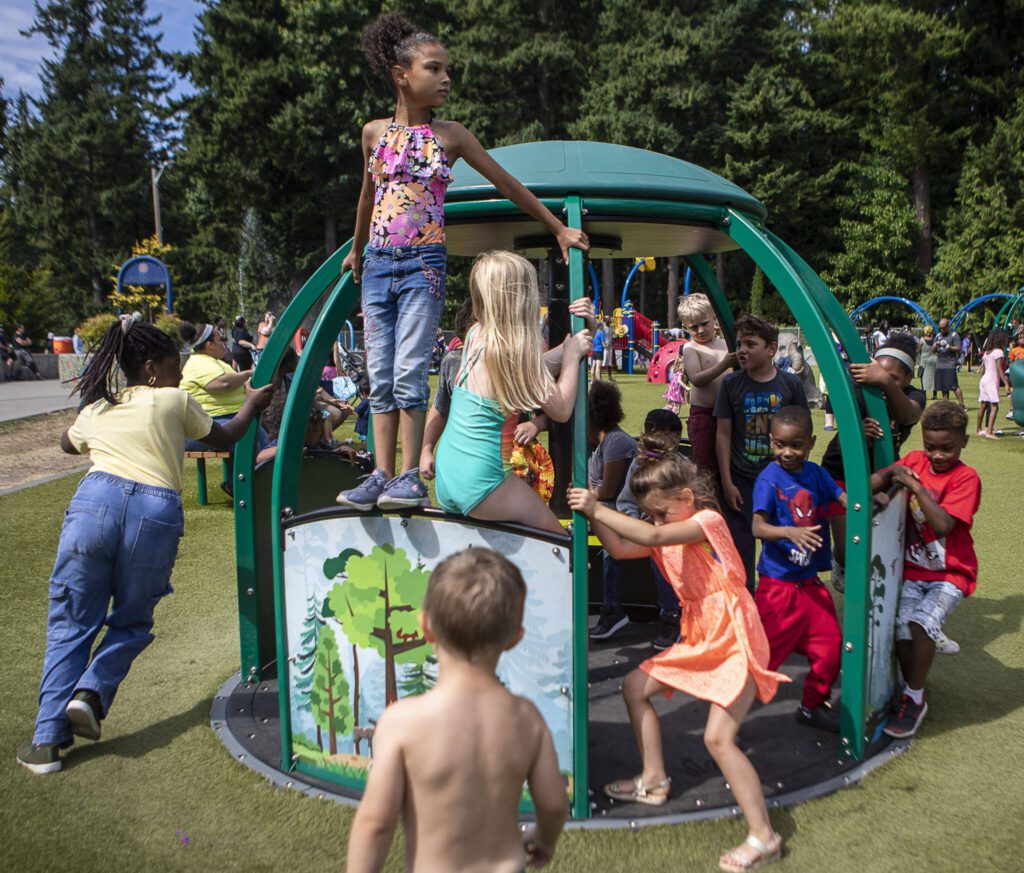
[146,270]
[875,301]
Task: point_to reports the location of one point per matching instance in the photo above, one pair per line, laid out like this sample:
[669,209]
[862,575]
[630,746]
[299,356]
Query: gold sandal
[765,856]
[634,791]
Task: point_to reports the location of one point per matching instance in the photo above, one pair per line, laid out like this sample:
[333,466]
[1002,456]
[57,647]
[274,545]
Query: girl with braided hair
[121,531]
[400,213]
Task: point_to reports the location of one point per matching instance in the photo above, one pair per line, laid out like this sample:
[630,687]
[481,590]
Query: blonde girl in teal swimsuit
[408,160]
[504,372]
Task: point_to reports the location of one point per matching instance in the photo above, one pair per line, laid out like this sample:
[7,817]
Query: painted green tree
[305,658]
[378,607]
[419,678]
[355,625]
[329,695]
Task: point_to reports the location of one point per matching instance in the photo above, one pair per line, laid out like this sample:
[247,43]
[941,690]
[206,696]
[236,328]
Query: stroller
[351,372]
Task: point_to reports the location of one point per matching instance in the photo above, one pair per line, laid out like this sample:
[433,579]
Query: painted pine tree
[302,683]
[329,696]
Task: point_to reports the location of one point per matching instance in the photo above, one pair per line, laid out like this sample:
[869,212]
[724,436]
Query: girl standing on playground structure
[121,531]
[723,653]
[993,371]
[504,372]
[401,214]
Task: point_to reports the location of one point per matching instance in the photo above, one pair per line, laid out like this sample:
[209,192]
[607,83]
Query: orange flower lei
[533,464]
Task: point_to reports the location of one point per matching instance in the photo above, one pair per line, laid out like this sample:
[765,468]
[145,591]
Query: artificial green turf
[953,803]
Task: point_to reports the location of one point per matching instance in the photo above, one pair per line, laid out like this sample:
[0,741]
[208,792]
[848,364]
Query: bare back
[464,755]
[698,358]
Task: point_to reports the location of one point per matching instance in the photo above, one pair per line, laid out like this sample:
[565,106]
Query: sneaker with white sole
[364,496]
[907,718]
[945,646]
[40,758]
[612,620]
[406,491]
[84,712]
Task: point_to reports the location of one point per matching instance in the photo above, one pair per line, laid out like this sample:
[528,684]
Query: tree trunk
[330,233]
[543,95]
[672,318]
[923,210]
[390,682]
[608,300]
[331,700]
[320,737]
[355,695]
[542,280]
[720,270]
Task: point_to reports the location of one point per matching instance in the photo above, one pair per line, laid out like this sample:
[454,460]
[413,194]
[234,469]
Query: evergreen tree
[305,658]
[983,252]
[876,230]
[79,178]
[329,696]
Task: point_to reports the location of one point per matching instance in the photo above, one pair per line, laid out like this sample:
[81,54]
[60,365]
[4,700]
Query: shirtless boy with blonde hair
[707,360]
[453,761]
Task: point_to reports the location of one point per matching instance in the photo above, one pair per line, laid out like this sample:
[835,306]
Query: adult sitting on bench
[218,387]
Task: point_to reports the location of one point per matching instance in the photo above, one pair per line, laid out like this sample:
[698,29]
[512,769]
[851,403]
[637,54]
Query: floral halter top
[410,177]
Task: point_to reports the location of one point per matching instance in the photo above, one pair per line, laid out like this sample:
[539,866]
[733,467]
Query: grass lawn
[160,776]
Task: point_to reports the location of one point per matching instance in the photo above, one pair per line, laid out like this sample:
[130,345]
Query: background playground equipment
[148,271]
[1011,309]
[875,301]
[329,598]
[961,314]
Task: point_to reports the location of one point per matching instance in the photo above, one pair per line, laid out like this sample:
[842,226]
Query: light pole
[154,176]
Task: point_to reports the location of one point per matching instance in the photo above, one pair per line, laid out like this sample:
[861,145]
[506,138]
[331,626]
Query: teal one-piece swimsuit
[473,453]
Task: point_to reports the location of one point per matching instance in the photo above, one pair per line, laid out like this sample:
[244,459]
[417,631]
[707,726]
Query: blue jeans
[118,543]
[402,295]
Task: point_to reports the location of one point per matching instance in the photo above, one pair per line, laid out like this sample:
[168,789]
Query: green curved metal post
[581,698]
[807,305]
[255,652]
[290,447]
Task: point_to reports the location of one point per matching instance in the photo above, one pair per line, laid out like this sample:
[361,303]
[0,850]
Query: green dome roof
[598,169]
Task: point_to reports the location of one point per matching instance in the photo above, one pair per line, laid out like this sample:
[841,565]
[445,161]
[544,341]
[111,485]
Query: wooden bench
[200,459]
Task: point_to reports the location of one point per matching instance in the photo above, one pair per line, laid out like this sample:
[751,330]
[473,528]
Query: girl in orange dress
[723,654]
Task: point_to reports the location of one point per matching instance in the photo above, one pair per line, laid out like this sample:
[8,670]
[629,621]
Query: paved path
[22,399]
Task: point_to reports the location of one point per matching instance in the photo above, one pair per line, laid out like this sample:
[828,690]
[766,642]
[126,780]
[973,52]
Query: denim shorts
[403,295]
[927,604]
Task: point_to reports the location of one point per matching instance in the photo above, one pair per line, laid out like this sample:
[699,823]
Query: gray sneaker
[84,712]
[364,497]
[404,491]
[40,758]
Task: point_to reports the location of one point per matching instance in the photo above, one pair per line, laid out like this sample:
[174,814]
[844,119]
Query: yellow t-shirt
[141,438]
[198,372]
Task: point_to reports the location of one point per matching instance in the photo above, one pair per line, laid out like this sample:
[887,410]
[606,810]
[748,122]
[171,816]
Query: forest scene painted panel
[354,587]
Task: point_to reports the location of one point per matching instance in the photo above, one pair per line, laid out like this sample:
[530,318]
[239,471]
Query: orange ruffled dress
[722,638]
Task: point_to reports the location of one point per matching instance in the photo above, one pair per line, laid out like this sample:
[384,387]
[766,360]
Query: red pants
[801,617]
[701,428]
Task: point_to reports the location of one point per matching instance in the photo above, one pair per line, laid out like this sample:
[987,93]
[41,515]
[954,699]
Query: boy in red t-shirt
[940,565]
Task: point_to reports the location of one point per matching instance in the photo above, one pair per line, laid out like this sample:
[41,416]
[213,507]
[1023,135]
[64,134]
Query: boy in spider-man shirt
[792,499]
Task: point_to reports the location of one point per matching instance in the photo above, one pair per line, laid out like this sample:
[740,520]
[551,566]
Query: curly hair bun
[391,39]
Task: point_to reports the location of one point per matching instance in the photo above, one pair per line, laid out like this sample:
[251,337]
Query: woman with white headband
[211,379]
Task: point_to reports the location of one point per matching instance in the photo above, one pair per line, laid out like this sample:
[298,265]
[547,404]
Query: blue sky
[20,58]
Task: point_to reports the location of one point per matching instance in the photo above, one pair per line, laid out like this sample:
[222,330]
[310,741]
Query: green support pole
[201,480]
[803,302]
[256,652]
[719,301]
[290,448]
[581,696]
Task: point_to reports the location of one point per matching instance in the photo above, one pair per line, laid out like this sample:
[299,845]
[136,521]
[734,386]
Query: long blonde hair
[503,287]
